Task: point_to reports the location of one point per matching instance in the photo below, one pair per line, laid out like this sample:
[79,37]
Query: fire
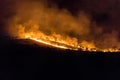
[58,41]
[48,43]
[51,40]
[59,28]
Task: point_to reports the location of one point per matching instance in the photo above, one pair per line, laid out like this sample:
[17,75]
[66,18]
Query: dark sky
[103,12]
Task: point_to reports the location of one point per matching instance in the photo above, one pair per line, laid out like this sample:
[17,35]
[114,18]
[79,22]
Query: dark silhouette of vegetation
[28,60]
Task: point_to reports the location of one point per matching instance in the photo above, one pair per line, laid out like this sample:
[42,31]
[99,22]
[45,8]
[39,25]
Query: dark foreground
[25,60]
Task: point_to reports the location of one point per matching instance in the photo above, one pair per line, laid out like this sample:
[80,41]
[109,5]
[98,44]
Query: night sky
[102,11]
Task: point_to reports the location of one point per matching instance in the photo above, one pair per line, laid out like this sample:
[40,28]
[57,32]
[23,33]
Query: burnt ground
[27,60]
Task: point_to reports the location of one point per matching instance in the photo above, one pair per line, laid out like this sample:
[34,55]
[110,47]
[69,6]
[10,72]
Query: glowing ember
[55,45]
[49,40]
[59,43]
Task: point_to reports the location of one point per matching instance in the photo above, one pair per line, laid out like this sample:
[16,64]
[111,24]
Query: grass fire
[59,39]
[55,27]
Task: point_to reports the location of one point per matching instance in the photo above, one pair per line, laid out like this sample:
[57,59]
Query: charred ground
[26,59]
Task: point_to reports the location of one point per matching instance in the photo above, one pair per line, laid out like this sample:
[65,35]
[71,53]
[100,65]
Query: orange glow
[58,42]
[59,28]
[48,43]
[51,40]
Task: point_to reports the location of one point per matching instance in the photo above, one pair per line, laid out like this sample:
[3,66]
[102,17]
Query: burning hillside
[47,24]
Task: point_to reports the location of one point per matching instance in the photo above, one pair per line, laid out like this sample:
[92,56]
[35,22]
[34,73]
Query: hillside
[26,59]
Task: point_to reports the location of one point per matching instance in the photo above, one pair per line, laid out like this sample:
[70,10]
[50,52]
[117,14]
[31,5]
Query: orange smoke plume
[59,28]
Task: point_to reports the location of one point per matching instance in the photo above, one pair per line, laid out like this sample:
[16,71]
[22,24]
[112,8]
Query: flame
[56,40]
[59,28]
[51,40]
[48,43]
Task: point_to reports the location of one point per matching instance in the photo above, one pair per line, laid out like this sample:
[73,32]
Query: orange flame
[58,28]
[58,41]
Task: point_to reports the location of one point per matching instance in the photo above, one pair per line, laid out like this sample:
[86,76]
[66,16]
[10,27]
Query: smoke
[44,16]
[49,19]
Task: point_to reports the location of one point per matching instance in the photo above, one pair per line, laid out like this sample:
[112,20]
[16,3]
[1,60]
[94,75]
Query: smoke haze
[93,23]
